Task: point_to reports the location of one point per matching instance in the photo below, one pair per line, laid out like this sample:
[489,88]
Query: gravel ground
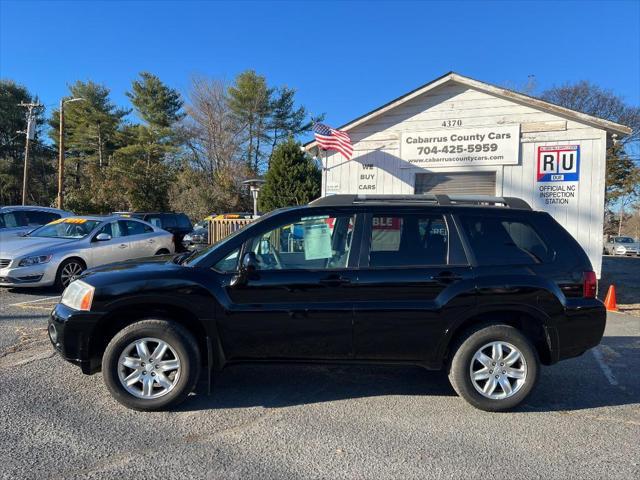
[282,421]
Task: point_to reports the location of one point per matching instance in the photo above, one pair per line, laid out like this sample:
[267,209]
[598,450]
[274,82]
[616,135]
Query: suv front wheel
[151,364]
[494,368]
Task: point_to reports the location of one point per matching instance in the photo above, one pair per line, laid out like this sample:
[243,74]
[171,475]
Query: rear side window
[184,222]
[404,240]
[500,241]
[169,221]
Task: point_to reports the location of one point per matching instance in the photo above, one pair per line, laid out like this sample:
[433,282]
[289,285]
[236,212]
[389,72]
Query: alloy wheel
[70,272]
[149,368]
[498,370]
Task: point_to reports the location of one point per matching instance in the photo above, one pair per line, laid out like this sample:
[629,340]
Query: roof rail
[441,200]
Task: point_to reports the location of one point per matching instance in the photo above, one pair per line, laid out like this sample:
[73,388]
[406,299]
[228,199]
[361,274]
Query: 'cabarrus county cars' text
[483,287]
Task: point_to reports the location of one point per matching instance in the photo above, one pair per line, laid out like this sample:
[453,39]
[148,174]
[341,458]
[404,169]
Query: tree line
[192,154]
[188,154]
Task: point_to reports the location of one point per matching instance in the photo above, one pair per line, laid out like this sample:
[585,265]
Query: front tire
[151,365]
[494,368]
[68,271]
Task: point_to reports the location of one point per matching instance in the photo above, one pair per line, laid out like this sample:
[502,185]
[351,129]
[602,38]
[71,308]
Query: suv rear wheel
[494,368]
[151,364]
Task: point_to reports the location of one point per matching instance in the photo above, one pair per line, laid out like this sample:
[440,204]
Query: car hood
[14,247]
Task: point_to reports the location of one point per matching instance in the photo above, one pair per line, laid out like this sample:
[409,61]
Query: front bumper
[42,275]
[70,333]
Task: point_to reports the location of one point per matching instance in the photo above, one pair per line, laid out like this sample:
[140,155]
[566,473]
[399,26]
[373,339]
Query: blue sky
[343,58]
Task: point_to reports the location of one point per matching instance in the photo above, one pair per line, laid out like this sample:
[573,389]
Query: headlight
[28,261]
[196,238]
[78,295]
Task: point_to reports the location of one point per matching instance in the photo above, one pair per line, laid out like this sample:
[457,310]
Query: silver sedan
[58,252]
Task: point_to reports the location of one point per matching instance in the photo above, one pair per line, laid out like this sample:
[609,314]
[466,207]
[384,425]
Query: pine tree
[292,179]
[286,120]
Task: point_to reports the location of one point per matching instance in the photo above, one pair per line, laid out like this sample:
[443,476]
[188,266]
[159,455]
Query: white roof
[453,77]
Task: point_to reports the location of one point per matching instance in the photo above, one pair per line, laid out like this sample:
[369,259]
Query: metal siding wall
[377,143]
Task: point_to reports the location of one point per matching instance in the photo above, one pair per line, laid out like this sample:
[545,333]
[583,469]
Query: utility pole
[29,134]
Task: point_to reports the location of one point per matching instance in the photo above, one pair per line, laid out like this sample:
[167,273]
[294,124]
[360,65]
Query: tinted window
[184,222]
[403,240]
[169,221]
[12,220]
[35,218]
[133,227]
[499,241]
[314,242]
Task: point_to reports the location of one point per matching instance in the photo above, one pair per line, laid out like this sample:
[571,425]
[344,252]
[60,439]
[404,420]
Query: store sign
[461,147]
[559,163]
[557,174]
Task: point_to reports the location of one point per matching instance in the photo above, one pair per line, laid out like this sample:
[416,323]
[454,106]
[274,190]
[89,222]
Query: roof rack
[441,200]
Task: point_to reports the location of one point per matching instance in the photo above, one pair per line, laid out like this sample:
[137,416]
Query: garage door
[456,183]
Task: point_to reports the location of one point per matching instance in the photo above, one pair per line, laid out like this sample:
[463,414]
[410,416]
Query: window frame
[290,217]
[529,219]
[455,250]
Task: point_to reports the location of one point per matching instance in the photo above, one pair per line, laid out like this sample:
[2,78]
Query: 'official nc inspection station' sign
[461,147]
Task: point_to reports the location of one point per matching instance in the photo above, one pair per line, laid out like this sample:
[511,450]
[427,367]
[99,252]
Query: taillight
[589,285]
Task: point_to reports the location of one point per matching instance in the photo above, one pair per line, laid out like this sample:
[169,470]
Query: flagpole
[326,170]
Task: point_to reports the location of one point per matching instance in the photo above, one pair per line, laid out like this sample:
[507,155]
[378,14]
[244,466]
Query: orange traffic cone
[610,300]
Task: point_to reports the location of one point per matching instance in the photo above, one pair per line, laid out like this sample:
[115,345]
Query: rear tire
[68,271]
[141,382]
[494,367]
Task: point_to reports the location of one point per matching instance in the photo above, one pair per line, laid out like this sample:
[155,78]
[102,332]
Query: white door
[142,241]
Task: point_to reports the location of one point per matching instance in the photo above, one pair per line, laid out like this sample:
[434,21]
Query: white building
[456,135]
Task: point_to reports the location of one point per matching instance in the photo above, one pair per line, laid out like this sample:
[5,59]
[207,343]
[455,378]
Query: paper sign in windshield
[317,241]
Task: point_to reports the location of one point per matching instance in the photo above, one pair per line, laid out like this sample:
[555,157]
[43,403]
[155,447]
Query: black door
[414,279]
[299,302]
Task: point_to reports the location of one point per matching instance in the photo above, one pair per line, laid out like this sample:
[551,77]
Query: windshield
[71,228]
[624,240]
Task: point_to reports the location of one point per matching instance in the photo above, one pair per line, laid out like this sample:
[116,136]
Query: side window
[499,241]
[314,242]
[35,218]
[408,240]
[112,228]
[184,222]
[228,263]
[133,228]
[169,221]
[155,221]
[14,219]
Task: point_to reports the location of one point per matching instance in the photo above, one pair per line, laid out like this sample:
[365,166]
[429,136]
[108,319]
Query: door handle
[445,277]
[122,245]
[334,281]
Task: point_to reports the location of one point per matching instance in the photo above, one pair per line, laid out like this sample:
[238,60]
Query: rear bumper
[70,333]
[580,329]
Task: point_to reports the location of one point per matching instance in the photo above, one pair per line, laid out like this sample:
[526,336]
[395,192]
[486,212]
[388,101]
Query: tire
[464,362]
[67,267]
[181,346]
[162,251]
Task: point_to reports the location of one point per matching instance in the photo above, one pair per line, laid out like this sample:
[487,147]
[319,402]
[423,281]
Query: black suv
[176,223]
[485,288]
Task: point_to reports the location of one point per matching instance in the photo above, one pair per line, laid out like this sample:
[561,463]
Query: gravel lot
[277,421]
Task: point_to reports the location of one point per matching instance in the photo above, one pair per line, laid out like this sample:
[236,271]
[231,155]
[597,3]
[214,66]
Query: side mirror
[248,269]
[103,237]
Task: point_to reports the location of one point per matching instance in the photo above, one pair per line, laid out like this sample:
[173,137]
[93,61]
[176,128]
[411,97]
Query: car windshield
[624,240]
[71,228]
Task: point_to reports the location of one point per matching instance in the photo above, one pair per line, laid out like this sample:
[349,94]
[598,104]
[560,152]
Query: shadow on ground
[574,384]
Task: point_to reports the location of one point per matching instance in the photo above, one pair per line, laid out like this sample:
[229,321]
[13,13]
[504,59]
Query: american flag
[331,139]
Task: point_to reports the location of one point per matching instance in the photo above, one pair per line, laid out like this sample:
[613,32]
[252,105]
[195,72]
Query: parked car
[622,246]
[176,223]
[17,220]
[197,239]
[56,253]
[485,288]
